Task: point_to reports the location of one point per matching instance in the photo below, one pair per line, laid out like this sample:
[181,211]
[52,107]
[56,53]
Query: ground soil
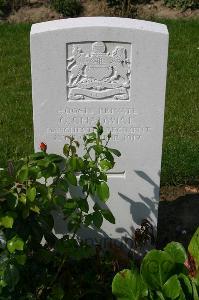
[40,10]
[178,215]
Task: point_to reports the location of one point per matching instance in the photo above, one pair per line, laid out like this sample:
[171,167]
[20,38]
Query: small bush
[7,6]
[4,7]
[68,8]
[34,263]
[125,8]
[168,274]
[184,4]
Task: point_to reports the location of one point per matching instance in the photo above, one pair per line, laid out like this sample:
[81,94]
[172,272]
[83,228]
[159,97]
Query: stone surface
[113,70]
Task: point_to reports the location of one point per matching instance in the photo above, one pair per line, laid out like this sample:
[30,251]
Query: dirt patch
[33,15]
[170,193]
[144,11]
[157,9]
[95,8]
[178,214]
[178,220]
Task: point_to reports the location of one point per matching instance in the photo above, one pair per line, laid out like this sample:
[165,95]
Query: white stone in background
[114,70]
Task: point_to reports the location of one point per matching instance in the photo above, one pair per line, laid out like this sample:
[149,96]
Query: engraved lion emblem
[99,74]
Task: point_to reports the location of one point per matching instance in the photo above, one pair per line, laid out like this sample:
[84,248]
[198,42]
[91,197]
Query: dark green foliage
[5,7]
[68,8]
[121,3]
[184,4]
[29,190]
[164,275]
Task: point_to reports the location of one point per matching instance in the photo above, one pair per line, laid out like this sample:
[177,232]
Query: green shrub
[68,8]
[164,275]
[5,7]
[120,3]
[125,8]
[29,191]
[184,4]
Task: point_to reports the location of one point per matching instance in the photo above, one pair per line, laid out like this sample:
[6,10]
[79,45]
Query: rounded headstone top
[98,22]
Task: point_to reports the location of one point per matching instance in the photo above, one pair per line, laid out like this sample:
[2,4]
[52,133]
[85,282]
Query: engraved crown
[98,47]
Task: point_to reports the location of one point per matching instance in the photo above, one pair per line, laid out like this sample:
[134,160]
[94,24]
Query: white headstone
[112,70]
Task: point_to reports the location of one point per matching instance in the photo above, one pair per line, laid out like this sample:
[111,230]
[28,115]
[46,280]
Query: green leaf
[12,199]
[59,200]
[186,285]
[108,215]
[91,135]
[80,163]
[105,165]
[35,172]
[83,205]
[159,296]
[195,292]
[11,276]
[92,188]
[102,176]
[99,129]
[57,293]
[7,220]
[108,156]
[35,208]
[22,198]
[76,163]
[73,163]
[31,193]
[102,191]
[43,163]
[115,151]
[172,288]
[98,149]
[23,175]
[157,267]
[2,285]
[88,220]
[63,185]
[37,155]
[66,150]
[97,219]
[70,204]
[73,150]
[21,259]
[55,158]
[51,170]
[16,243]
[128,285]
[177,252]
[83,180]
[71,178]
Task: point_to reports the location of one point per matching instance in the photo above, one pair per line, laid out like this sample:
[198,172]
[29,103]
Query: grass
[180,161]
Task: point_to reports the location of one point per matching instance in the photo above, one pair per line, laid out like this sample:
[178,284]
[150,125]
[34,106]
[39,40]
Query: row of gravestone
[112,70]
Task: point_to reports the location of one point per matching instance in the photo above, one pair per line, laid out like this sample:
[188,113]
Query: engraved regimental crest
[98,73]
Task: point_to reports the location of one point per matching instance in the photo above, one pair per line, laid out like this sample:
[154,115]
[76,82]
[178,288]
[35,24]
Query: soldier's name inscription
[98,70]
[79,121]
